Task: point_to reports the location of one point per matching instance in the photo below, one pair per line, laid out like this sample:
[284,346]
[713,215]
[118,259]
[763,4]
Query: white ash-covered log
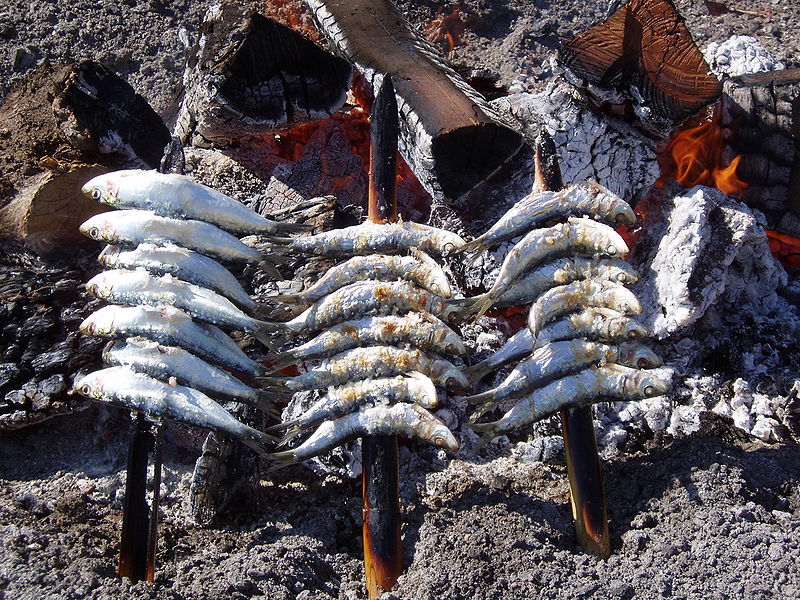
[450,137]
[249,75]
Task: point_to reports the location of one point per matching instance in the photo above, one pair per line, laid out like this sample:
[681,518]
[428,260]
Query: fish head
[621,299]
[638,356]
[99,286]
[424,390]
[433,430]
[619,271]
[623,213]
[446,372]
[103,188]
[450,242]
[100,323]
[89,386]
[99,228]
[453,344]
[431,273]
[646,384]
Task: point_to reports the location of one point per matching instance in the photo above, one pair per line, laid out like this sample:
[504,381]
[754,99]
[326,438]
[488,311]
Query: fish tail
[487,436]
[289,435]
[279,240]
[482,410]
[287,298]
[474,306]
[480,398]
[270,269]
[273,383]
[478,371]
[279,360]
[475,246]
[258,440]
[280,460]
[265,402]
[288,228]
[283,425]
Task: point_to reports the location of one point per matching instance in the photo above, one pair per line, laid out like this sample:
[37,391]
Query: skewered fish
[186,265]
[170,327]
[135,391]
[406,420]
[165,362]
[178,197]
[609,380]
[369,363]
[417,268]
[418,329]
[589,199]
[374,238]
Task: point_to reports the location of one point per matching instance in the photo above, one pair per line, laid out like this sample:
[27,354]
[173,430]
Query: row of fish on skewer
[172,301]
[582,342]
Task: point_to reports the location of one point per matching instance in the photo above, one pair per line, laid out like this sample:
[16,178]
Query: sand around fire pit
[699,509]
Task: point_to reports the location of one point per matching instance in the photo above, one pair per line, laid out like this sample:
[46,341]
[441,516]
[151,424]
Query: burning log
[250,75]
[450,137]
[644,51]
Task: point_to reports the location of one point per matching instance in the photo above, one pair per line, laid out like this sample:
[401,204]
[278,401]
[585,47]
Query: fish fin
[273,384]
[287,298]
[480,398]
[280,460]
[475,246]
[482,410]
[287,228]
[478,371]
[283,425]
[464,307]
[270,269]
[289,435]
[488,435]
[265,402]
[278,240]
[279,360]
[258,441]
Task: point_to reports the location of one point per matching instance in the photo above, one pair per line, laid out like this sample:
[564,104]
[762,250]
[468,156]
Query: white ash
[739,55]
[590,145]
[714,248]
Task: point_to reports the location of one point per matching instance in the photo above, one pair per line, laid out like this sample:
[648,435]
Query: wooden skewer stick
[383,546]
[139,522]
[583,463]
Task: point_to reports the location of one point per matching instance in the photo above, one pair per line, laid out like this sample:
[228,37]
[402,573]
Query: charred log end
[466,156]
[100,113]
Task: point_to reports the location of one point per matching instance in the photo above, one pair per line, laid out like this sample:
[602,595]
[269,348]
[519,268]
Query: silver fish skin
[516,347]
[134,227]
[374,238]
[590,385]
[418,329]
[163,362]
[415,388]
[577,236]
[417,268]
[136,391]
[371,362]
[360,298]
[578,295]
[407,420]
[184,264]
[557,272]
[585,199]
[178,197]
[141,288]
[170,327]
[558,359]
[595,323]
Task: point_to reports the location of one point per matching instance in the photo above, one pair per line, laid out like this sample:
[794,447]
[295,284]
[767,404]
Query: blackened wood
[250,75]
[449,135]
[383,548]
[152,530]
[384,131]
[583,463]
[135,512]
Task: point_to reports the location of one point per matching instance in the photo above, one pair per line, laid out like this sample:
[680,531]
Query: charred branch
[250,75]
[450,137]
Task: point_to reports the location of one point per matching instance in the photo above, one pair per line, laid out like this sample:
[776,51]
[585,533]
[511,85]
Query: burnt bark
[449,135]
[249,75]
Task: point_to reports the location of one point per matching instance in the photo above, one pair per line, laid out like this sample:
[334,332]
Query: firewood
[449,135]
[250,75]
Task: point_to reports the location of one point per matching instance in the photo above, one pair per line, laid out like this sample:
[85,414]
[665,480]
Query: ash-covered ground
[698,507]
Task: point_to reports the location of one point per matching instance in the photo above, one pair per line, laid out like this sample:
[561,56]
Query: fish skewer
[178,197]
[171,327]
[418,329]
[417,268]
[141,288]
[576,236]
[609,380]
[371,362]
[374,238]
[415,388]
[407,420]
[183,264]
[581,294]
[558,359]
[585,199]
[167,362]
[134,227]
[557,272]
[135,391]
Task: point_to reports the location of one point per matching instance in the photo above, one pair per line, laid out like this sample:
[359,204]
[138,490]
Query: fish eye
[622,277]
[94,290]
[620,218]
[439,441]
[96,193]
[450,382]
[85,389]
[633,335]
[90,328]
[649,391]
[449,247]
[611,249]
[94,233]
[643,363]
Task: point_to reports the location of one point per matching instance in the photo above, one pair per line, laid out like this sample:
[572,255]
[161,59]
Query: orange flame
[446,26]
[694,156]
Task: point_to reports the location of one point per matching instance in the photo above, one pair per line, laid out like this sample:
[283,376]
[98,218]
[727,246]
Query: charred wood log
[449,135]
[762,111]
[249,75]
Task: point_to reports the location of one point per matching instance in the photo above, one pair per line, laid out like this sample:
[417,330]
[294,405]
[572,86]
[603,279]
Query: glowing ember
[785,248]
[447,26]
[694,156]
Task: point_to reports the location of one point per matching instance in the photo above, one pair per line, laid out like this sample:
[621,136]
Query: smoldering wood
[763,112]
[382,204]
[449,135]
[249,75]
